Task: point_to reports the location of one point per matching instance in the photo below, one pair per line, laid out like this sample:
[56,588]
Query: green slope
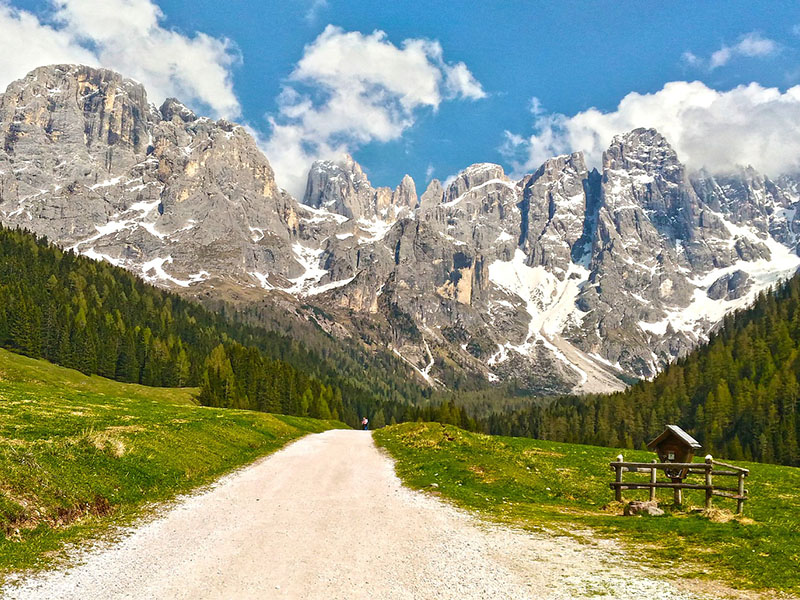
[80,453]
[565,487]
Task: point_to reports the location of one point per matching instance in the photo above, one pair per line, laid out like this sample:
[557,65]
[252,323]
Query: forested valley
[101,319]
[738,394]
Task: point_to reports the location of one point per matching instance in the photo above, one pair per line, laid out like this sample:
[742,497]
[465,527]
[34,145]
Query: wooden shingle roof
[677,431]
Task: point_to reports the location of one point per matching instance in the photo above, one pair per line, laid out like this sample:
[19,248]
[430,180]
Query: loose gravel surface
[326,518]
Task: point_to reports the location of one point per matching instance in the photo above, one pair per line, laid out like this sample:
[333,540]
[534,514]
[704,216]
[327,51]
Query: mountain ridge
[566,279]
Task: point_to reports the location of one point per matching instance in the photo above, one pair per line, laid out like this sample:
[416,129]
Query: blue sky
[571,56]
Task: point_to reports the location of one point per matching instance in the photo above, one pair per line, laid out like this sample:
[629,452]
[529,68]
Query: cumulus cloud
[127,36]
[349,89]
[717,130]
[26,43]
[750,45]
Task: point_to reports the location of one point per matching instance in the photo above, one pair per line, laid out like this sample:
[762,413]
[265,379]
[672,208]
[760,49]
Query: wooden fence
[710,469]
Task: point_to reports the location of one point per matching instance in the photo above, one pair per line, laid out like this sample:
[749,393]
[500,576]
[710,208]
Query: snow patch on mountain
[549,301]
[309,259]
[375,229]
[91,253]
[321,289]
[153,271]
[703,311]
[262,279]
[320,215]
[477,188]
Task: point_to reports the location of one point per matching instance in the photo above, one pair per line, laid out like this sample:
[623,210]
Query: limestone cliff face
[554,204]
[342,187]
[93,112]
[562,279]
[574,273]
[64,130]
[91,164]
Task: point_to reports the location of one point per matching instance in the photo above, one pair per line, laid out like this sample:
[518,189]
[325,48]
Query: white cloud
[26,43]
[124,35]
[750,45]
[349,89]
[536,107]
[721,57]
[753,44]
[747,125]
[691,59]
[429,172]
[460,82]
[316,7]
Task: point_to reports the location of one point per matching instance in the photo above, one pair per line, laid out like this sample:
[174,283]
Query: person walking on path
[364,423]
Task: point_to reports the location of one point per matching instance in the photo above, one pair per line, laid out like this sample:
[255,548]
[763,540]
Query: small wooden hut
[675,445]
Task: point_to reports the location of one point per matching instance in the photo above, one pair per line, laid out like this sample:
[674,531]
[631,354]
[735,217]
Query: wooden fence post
[653,475]
[740,500]
[671,470]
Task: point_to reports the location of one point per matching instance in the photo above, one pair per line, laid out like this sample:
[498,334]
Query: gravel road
[326,518]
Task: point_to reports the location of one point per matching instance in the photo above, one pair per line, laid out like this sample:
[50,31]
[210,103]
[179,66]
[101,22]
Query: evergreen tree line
[100,319]
[239,377]
[738,395]
[365,371]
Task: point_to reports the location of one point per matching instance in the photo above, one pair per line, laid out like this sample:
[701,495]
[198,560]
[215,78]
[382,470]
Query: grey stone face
[730,287]
[342,187]
[562,280]
[171,196]
[554,209]
[433,195]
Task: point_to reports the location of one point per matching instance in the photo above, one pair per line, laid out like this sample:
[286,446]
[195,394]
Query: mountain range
[568,279]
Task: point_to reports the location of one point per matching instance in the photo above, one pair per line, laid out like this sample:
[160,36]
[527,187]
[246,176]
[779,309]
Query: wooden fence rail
[738,493]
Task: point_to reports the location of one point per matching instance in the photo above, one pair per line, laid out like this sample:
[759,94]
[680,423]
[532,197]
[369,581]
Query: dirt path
[326,518]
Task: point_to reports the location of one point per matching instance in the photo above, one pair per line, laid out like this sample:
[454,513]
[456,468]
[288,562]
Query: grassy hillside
[555,485]
[78,453]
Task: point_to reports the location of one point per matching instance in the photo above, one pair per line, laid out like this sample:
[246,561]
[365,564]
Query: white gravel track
[326,518]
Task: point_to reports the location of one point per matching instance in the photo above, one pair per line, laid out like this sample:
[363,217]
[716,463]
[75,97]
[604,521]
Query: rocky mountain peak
[746,196]
[342,187]
[553,167]
[100,170]
[339,186]
[554,212]
[172,108]
[642,173]
[549,280]
[349,164]
[405,195]
[85,108]
[641,149]
[433,195]
[474,176]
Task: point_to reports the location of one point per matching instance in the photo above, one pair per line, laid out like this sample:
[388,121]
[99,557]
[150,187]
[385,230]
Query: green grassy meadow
[564,487]
[79,453]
